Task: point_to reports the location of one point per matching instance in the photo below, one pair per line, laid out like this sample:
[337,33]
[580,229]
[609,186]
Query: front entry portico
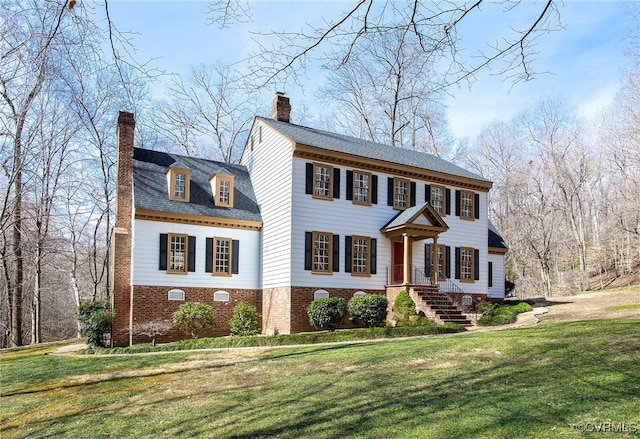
[413,224]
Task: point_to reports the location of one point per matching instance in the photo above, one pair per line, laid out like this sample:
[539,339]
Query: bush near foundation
[404,304]
[370,309]
[327,313]
[245,320]
[96,320]
[192,318]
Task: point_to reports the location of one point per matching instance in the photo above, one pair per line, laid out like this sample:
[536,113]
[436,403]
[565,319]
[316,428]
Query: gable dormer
[178,183]
[222,189]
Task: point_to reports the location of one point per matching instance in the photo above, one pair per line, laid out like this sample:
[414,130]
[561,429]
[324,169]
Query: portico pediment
[419,222]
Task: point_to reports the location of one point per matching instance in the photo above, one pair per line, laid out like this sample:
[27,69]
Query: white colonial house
[306,214]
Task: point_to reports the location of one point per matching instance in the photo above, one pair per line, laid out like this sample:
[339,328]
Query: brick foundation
[301,297]
[152,303]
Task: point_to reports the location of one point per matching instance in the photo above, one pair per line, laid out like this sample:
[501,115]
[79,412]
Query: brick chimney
[124,134]
[121,289]
[281,108]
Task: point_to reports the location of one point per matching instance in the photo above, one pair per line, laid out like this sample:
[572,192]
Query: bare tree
[438,26]
[211,110]
[384,94]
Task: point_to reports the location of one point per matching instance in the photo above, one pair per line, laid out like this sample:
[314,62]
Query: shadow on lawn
[545,381]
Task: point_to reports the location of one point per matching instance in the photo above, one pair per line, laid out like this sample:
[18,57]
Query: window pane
[179,186]
[360,255]
[321,252]
[401,192]
[223,252]
[361,187]
[466,205]
[177,254]
[322,181]
[224,192]
[437,199]
[466,264]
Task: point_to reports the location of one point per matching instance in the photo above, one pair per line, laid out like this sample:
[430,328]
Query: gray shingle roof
[351,145]
[495,240]
[403,216]
[150,186]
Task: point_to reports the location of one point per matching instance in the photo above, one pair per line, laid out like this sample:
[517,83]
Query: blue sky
[584,62]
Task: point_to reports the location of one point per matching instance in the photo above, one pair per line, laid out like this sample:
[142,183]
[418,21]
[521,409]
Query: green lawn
[550,380]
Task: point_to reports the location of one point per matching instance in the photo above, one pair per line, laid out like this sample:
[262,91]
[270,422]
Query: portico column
[406,275]
[434,259]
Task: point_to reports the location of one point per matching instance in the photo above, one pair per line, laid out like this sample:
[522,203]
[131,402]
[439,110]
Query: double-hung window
[438,199]
[322,252]
[177,262]
[222,257]
[361,185]
[466,205]
[466,264]
[401,189]
[361,252]
[322,181]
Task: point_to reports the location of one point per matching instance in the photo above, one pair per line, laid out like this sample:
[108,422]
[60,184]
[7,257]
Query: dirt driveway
[591,306]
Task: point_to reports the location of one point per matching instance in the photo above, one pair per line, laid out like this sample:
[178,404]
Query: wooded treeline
[565,191]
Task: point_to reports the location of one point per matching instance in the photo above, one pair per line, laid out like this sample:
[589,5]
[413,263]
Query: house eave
[341,158]
[498,250]
[171,217]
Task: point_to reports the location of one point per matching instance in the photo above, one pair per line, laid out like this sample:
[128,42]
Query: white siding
[342,217]
[146,249]
[269,163]
[497,291]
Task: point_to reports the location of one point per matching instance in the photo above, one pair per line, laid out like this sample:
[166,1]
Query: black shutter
[191,262]
[447,261]
[457,204]
[164,238]
[235,256]
[390,191]
[490,274]
[476,264]
[374,189]
[336,253]
[308,186]
[447,202]
[308,250]
[476,204]
[427,260]
[336,182]
[347,254]
[349,185]
[208,256]
[373,269]
[457,274]
[412,194]
[427,193]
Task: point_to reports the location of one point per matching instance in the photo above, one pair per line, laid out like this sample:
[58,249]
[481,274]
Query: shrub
[370,309]
[193,317]
[404,304]
[245,320]
[502,315]
[96,320]
[414,321]
[327,313]
[485,307]
[152,329]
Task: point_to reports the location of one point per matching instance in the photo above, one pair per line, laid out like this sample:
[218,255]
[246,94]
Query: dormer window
[178,182]
[222,188]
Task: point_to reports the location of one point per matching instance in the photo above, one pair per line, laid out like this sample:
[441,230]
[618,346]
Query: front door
[397,268]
